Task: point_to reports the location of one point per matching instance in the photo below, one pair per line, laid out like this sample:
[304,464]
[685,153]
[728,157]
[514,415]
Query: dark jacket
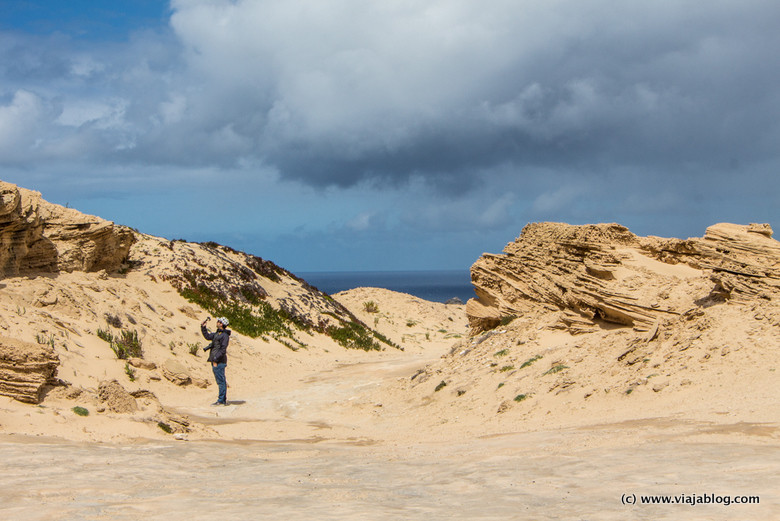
[219,342]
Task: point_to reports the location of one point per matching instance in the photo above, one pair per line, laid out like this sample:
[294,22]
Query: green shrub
[130,372]
[507,368]
[556,369]
[127,345]
[520,397]
[106,335]
[81,411]
[503,352]
[370,307]
[165,427]
[441,386]
[530,361]
[354,336]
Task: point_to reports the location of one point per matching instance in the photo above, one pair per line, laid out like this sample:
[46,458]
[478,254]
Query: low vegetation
[81,411]
[530,361]
[130,372]
[370,307]
[125,345]
[555,369]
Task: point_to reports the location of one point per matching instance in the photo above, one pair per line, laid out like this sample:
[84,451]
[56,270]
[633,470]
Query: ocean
[436,286]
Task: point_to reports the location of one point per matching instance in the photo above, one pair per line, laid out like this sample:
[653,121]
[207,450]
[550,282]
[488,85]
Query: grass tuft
[81,411]
[530,361]
[555,369]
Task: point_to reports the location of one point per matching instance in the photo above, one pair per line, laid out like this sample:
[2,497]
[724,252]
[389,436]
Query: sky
[355,135]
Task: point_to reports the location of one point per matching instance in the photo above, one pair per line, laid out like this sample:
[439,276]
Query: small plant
[41,339]
[629,390]
[530,361]
[500,385]
[370,307]
[507,319]
[555,369]
[503,352]
[130,372]
[354,336]
[127,345]
[427,336]
[194,348]
[21,311]
[441,386]
[411,323]
[520,397]
[113,320]
[81,411]
[172,345]
[165,427]
[507,368]
[105,335]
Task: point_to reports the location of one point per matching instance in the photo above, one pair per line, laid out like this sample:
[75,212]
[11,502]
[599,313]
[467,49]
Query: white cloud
[20,121]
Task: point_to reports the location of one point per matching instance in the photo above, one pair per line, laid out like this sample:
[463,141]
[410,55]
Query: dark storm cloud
[446,89]
[348,91]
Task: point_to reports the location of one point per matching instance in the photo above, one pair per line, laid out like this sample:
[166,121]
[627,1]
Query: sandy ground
[327,433]
[320,464]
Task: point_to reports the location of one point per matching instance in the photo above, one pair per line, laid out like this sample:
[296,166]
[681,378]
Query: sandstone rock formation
[604,273]
[37,236]
[176,372]
[25,369]
[116,398]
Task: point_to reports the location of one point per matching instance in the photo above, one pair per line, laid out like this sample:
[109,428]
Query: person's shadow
[235,402]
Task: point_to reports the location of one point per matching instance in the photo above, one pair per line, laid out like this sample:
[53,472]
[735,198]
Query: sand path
[326,464]
[541,475]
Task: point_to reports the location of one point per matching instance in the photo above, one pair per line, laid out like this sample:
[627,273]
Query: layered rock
[25,369]
[605,273]
[743,261]
[38,236]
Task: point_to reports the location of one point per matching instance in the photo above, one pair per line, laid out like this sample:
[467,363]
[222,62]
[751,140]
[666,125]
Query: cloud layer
[339,92]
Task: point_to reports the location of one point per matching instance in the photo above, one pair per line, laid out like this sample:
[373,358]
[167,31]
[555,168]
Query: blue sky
[354,135]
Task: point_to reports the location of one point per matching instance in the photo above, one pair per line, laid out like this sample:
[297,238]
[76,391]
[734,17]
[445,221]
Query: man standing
[218,356]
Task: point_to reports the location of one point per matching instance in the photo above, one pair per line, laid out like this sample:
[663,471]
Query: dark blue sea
[436,286]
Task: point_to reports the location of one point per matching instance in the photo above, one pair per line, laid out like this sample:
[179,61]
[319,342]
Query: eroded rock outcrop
[25,369]
[116,398]
[604,273]
[38,236]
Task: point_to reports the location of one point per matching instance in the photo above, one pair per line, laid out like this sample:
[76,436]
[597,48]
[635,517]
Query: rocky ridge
[37,236]
[25,369]
[604,273]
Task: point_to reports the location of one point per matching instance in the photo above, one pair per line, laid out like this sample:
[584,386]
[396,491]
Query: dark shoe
[217,403]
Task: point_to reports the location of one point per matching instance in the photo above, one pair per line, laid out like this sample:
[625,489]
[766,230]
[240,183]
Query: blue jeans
[219,376]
